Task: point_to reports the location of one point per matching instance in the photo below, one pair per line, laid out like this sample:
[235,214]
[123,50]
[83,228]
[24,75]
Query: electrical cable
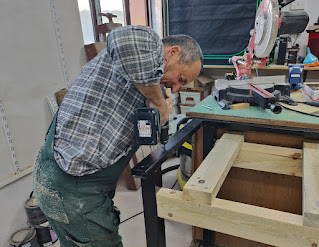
[171,168]
[174,184]
[131,217]
[296,39]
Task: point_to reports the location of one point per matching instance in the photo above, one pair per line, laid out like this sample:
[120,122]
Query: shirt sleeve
[137,54]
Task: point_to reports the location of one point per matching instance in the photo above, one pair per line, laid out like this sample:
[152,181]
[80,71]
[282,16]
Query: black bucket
[34,213]
[24,237]
[46,236]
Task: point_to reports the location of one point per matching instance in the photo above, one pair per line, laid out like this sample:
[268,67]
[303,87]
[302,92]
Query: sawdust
[49,200]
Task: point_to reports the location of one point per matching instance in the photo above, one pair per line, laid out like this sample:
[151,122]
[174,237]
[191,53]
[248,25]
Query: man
[91,138]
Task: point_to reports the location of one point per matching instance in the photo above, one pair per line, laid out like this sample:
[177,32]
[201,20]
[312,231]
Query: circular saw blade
[266,27]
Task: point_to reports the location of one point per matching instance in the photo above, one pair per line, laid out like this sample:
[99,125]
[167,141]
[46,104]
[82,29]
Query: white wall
[30,69]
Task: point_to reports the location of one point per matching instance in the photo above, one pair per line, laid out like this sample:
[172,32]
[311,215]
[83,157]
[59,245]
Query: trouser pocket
[102,223]
[103,220]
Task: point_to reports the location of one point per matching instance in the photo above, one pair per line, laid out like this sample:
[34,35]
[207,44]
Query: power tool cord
[171,168]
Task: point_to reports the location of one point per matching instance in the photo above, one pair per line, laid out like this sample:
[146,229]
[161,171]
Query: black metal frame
[149,169]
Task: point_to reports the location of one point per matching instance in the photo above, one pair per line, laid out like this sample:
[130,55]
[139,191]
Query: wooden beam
[239,106]
[281,160]
[205,183]
[237,219]
[311,184]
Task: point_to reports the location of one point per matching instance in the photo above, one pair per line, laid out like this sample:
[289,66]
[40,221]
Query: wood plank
[239,106]
[311,184]
[238,219]
[139,154]
[269,139]
[226,240]
[205,183]
[274,191]
[274,150]
[269,190]
[268,158]
[146,150]
[297,96]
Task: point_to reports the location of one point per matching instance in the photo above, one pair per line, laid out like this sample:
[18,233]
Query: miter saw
[260,91]
[262,41]
[269,22]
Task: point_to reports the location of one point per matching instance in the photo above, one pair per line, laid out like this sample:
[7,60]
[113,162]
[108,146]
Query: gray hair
[190,49]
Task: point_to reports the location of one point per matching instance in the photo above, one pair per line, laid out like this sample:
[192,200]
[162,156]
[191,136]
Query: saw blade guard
[266,28]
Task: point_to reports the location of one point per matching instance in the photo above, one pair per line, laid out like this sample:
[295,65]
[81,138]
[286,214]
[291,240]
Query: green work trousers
[79,209]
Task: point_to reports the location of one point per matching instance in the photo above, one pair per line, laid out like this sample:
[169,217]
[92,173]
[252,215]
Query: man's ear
[170,52]
[174,50]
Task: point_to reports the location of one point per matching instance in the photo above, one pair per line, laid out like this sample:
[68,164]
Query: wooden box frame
[197,205]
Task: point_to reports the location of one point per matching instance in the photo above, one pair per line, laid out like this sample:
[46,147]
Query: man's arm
[155,99]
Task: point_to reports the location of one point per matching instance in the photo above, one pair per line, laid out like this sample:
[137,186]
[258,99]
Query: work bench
[275,188]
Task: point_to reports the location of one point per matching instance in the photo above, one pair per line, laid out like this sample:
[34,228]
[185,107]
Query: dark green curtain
[221,27]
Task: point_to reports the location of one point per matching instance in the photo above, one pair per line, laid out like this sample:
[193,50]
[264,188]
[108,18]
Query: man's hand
[169,100]
[155,99]
[163,109]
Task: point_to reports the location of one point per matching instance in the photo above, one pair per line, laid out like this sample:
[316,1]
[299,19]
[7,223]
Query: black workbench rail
[274,129]
[154,160]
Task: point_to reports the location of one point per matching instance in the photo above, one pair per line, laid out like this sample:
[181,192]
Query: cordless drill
[147,126]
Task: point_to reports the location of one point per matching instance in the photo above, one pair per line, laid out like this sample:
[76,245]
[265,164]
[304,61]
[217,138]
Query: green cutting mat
[253,114]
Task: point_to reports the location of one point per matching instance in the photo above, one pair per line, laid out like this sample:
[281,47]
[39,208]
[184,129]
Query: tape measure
[59,41]
[9,138]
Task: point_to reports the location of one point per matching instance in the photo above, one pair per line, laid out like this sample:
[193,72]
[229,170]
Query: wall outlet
[297,5]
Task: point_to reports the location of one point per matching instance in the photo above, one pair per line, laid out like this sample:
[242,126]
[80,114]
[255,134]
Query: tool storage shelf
[189,98]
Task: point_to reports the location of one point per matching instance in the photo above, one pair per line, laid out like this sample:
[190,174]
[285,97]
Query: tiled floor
[130,203]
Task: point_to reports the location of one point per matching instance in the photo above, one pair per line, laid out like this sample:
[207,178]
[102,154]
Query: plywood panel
[274,191]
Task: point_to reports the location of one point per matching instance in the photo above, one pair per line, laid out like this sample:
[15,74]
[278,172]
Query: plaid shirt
[95,120]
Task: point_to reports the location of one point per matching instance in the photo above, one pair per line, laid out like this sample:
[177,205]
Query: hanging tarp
[221,27]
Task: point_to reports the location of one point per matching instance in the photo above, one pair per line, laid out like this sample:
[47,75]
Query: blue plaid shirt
[95,120]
